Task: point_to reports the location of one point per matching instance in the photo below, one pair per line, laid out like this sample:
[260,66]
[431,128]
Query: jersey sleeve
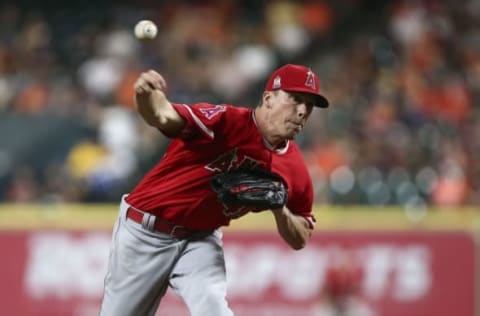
[202,119]
[293,169]
[302,204]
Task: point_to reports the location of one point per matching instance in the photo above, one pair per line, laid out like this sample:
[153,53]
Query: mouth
[298,126]
[294,128]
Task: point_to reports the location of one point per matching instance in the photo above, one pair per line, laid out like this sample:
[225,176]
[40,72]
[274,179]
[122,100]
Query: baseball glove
[256,190]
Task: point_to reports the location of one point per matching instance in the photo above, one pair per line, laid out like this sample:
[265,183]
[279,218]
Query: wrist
[279,210]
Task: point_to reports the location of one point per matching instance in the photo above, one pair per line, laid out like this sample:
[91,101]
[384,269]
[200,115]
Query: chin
[290,136]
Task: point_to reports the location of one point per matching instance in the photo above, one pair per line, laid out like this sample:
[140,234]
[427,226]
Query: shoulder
[294,162]
[293,149]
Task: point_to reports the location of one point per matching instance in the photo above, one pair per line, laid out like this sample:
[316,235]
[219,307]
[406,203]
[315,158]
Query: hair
[260,102]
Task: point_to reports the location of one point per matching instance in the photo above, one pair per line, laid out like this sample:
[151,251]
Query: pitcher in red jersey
[168,229]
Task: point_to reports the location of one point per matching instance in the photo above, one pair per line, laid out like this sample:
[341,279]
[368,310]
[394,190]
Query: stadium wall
[385,262]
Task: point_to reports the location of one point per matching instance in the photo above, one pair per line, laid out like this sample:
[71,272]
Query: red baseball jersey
[217,138]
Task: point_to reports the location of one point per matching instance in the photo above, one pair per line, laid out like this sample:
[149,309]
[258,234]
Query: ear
[267,97]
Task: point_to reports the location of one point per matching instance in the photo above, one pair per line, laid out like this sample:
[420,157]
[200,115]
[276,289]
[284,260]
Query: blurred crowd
[403,79]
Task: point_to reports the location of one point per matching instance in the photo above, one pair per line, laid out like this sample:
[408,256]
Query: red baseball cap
[297,78]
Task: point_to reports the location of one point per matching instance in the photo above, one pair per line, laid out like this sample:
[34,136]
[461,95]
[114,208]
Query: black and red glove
[257,190]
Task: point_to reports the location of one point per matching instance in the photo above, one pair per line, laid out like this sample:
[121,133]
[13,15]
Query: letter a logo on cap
[310,82]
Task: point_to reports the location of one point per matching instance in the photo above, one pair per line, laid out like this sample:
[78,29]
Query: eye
[308,100]
[296,97]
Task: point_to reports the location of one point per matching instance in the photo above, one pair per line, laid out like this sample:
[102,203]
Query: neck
[269,137]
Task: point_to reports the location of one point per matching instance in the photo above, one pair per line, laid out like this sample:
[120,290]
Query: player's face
[289,112]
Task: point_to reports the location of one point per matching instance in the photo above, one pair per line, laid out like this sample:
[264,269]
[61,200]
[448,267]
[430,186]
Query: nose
[302,110]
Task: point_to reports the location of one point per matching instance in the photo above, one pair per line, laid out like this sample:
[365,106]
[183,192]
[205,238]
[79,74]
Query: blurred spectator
[403,78]
[342,294]
[23,186]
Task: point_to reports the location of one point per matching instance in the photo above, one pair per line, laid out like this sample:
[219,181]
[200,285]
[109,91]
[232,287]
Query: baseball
[145,29]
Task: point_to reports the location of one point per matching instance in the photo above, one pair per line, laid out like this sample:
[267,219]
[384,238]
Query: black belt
[163,226]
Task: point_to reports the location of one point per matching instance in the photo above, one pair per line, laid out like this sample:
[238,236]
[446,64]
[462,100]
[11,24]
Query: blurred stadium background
[395,160]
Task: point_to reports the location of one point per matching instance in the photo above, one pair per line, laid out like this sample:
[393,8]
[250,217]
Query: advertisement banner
[404,273]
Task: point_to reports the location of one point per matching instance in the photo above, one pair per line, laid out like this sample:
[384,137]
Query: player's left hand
[255,190]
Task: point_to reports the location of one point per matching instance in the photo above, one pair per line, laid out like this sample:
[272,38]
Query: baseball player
[168,230]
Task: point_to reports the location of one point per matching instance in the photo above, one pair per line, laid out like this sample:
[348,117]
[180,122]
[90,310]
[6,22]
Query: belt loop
[124,207]
[148,221]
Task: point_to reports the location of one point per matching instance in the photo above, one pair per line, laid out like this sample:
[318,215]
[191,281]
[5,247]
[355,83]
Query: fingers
[149,81]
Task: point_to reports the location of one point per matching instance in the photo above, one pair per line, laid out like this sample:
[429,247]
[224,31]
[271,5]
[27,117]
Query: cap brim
[320,100]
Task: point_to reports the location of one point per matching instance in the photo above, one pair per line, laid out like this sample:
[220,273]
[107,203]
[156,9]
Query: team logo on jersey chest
[231,161]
